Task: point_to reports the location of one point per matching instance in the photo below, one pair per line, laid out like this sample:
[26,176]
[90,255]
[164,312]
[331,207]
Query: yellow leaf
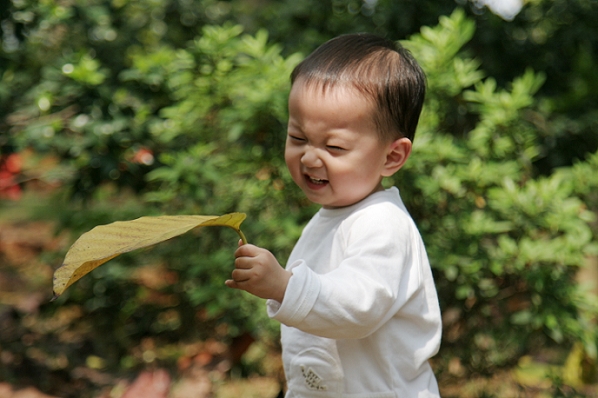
[105,242]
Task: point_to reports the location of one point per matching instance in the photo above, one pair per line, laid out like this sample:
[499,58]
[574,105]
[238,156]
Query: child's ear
[397,154]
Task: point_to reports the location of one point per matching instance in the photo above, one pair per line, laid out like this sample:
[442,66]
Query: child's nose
[310,158]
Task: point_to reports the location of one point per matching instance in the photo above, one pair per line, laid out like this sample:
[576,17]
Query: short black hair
[380,68]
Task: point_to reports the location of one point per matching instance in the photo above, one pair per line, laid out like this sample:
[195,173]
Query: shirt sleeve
[377,274]
[300,296]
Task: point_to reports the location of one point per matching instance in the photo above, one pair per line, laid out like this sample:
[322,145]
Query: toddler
[357,300]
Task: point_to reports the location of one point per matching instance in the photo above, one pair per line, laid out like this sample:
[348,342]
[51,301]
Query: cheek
[290,158]
[358,169]
[287,156]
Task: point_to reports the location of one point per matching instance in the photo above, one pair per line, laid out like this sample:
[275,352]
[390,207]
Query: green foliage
[96,83]
[556,37]
[506,244]
[209,104]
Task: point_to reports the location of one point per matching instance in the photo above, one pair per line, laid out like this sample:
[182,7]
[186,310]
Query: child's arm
[378,269]
[258,272]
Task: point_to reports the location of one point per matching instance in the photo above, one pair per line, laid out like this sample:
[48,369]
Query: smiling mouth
[316,181]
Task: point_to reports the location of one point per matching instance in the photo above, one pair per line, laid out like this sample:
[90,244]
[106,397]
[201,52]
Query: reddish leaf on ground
[6,391]
[195,383]
[150,384]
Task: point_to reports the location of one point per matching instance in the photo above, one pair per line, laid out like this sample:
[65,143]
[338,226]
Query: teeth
[317,180]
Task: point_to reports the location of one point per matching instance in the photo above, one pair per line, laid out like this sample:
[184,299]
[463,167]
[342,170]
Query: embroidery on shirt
[313,381]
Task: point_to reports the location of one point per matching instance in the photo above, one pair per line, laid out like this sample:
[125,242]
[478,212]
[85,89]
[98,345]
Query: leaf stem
[242,235]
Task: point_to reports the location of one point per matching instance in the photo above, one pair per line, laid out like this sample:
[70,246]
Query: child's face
[333,150]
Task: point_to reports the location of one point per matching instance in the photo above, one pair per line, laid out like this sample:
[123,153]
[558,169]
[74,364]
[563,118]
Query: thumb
[231,283]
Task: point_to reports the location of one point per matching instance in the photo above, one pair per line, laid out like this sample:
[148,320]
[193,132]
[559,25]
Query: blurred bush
[146,119]
[506,243]
[157,108]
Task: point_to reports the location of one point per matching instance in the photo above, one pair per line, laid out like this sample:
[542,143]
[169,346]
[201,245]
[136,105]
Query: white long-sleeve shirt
[360,316]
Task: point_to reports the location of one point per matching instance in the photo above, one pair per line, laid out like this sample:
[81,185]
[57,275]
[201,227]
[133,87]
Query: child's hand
[258,272]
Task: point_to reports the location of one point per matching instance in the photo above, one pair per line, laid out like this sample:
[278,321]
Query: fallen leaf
[196,384]
[154,384]
[105,242]
[6,391]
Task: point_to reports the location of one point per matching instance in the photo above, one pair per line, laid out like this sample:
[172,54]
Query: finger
[231,283]
[243,263]
[245,251]
[240,242]
[235,284]
[240,275]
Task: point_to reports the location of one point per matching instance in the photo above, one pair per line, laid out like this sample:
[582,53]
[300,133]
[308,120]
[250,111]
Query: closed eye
[296,138]
[335,148]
